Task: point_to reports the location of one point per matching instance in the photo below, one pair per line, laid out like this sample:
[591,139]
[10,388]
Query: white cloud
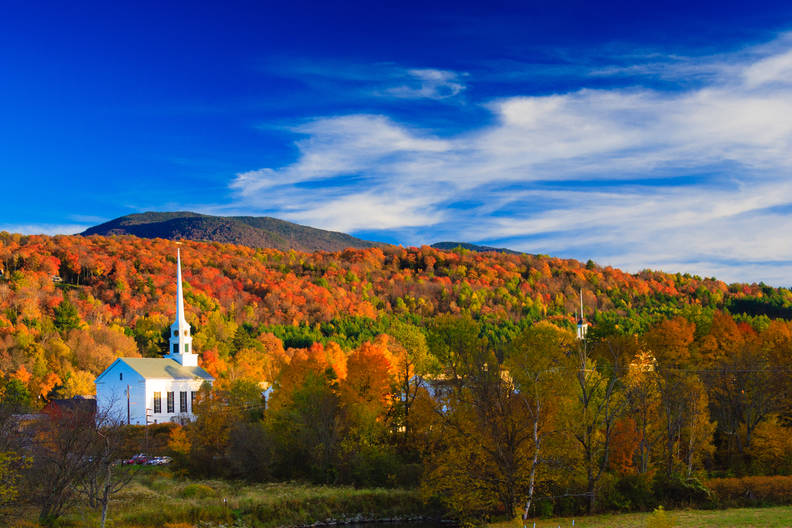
[383,79]
[429,84]
[588,173]
[44,229]
[774,69]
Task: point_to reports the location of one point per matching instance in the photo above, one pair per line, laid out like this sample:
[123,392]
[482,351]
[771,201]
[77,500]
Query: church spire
[180,339]
[582,327]
[179,294]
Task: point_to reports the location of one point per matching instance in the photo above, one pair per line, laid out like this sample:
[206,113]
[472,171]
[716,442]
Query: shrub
[637,492]
[752,491]
[197,490]
[158,484]
[660,519]
[679,491]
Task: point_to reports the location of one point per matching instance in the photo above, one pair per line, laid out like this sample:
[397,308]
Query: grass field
[775,517]
[156,499]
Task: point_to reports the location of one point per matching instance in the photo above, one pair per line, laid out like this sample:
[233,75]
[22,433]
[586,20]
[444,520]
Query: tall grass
[158,499]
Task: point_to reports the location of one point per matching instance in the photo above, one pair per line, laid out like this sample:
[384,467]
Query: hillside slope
[253,231]
[116,296]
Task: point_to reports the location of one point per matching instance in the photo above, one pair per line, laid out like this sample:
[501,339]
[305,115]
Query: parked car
[138,459]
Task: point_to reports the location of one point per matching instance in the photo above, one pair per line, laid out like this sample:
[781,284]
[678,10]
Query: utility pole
[148,413]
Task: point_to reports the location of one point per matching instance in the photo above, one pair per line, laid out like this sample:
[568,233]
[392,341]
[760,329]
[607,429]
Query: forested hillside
[457,370]
[116,296]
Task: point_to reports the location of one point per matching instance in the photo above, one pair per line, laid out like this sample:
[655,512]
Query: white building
[155,390]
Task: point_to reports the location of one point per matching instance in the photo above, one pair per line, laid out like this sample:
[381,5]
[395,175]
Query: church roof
[161,368]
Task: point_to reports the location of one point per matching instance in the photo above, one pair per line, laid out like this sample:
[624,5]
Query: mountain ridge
[252,231]
[447,246]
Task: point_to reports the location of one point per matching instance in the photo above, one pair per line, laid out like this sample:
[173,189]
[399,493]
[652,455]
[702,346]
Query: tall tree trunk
[105,498]
[534,463]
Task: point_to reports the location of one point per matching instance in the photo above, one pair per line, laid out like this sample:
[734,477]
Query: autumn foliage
[392,366]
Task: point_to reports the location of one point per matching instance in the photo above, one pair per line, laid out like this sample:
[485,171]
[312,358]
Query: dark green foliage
[350,332]
[245,337]
[251,452]
[679,491]
[306,430]
[628,493]
[302,336]
[16,397]
[66,316]
[773,307]
[151,336]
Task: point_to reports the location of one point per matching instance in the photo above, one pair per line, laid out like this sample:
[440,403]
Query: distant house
[155,390]
[56,278]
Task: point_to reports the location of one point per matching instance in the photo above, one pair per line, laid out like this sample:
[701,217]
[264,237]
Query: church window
[175,333]
[183,401]
[185,332]
[121,376]
[157,402]
[186,348]
[175,348]
[170,402]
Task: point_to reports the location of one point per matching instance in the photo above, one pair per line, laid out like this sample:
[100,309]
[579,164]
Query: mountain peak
[254,231]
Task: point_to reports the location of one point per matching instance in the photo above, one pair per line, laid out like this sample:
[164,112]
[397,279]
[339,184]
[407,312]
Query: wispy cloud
[379,80]
[44,229]
[429,84]
[590,173]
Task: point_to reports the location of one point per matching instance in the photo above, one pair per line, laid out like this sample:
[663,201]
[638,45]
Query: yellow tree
[479,464]
[209,433]
[411,363]
[599,400]
[537,364]
[644,399]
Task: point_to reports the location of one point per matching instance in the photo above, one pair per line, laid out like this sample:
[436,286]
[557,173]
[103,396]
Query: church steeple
[582,327]
[180,338]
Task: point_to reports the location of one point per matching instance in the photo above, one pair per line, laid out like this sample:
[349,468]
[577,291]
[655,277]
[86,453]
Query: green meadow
[771,517]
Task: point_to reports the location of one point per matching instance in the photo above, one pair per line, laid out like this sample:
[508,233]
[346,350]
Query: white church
[154,390]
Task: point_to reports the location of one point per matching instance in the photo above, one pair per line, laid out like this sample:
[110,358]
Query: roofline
[180,379]
[159,378]
[121,359]
[105,371]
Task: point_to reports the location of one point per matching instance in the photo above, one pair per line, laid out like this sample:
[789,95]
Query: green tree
[66,316]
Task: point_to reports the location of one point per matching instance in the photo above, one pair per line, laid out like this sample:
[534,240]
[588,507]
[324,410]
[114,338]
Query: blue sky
[639,135]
